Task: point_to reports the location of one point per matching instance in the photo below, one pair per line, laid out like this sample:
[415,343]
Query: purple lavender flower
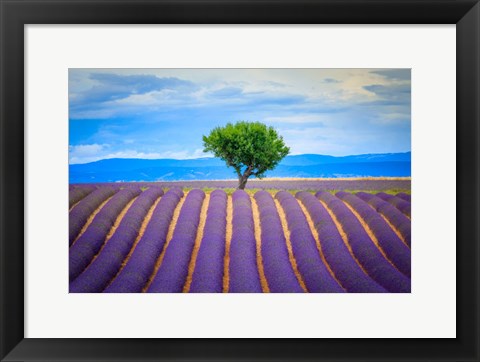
[276,263]
[80,213]
[243,271]
[89,243]
[305,184]
[173,271]
[391,213]
[404,196]
[395,250]
[208,274]
[106,265]
[311,266]
[400,204]
[364,249]
[135,275]
[352,277]
[75,194]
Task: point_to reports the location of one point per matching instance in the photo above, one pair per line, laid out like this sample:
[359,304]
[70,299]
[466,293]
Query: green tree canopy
[251,148]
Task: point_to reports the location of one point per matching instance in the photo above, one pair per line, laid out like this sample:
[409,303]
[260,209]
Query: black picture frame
[15,14]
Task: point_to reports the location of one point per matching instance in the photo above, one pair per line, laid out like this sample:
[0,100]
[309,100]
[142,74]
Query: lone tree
[251,148]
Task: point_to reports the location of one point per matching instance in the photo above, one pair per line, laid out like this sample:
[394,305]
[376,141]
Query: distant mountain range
[305,166]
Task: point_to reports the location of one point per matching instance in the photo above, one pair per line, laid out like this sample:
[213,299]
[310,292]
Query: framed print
[244,180]
[226,240]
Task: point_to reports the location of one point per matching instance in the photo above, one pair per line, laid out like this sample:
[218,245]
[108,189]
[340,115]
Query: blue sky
[163,113]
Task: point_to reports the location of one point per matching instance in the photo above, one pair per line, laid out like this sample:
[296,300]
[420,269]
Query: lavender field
[277,236]
[364,184]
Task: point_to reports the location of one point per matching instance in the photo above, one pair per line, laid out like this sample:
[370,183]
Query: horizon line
[213,157]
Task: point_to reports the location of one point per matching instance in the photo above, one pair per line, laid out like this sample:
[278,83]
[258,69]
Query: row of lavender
[127,263]
[305,184]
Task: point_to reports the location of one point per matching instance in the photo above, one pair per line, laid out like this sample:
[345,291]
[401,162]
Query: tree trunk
[242,181]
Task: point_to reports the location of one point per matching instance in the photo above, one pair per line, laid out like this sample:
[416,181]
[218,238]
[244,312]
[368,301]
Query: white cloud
[93,114]
[337,117]
[391,118]
[306,118]
[183,155]
[153,98]
[133,154]
[319,140]
[86,150]
[346,88]
[94,152]
[85,153]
